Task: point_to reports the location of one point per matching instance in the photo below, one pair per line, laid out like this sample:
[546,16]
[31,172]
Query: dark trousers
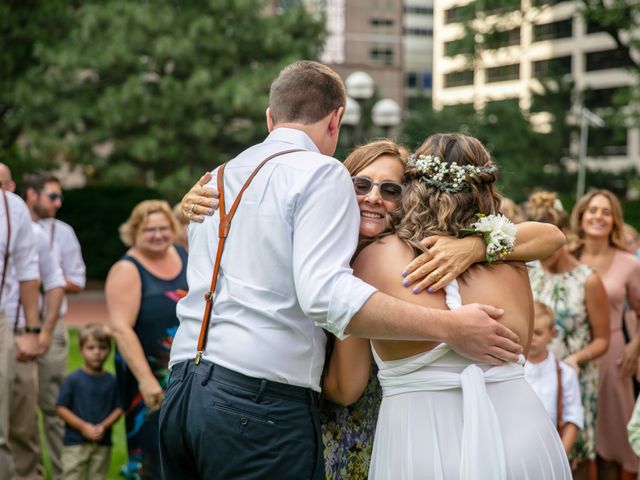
[219,424]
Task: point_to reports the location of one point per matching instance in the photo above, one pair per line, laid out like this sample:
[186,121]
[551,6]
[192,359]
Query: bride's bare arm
[449,257]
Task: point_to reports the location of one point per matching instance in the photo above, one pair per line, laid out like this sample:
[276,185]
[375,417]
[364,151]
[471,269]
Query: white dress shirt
[50,275]
[285,271]
[63,240]
[23,259]
[543,378]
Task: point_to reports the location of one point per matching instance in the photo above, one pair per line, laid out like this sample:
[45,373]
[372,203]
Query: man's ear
[334,121]
[269,119]
[30,196]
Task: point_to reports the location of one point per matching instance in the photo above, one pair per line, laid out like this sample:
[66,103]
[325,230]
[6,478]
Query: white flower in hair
[557,205]
[446,177]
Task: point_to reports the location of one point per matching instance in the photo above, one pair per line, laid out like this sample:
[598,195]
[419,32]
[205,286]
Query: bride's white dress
[444,417]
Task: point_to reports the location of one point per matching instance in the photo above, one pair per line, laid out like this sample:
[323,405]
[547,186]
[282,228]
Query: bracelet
[35,330]
[498,232]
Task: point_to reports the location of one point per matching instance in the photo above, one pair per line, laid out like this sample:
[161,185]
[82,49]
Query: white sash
[482,454]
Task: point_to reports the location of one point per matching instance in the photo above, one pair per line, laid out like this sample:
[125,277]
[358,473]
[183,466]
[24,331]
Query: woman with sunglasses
[378,170]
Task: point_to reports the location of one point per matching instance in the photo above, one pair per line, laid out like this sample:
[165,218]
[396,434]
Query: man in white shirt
[18,258]
[24,438]
[249,408]
[43,194]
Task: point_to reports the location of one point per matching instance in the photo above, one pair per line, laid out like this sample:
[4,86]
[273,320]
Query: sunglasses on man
[53,196]
[390,191]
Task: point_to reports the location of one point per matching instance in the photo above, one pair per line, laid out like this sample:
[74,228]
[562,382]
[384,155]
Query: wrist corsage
[498,233]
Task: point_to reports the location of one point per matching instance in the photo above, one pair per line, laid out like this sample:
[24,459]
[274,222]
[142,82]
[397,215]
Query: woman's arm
[568,437]
[597,304]
[123,294]
[631,352]
[452,256]
[348,371]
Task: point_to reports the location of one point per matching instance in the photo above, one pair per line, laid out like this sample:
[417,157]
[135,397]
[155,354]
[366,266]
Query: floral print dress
[564,294]
[347,433]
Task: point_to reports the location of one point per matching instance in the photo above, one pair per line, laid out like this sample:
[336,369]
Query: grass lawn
[119,450]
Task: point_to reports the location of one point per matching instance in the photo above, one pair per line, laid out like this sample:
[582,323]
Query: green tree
[156,92]
[527,159]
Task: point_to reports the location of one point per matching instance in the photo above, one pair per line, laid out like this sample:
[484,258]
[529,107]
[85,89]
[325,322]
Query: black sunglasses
[391,191]
[53,196]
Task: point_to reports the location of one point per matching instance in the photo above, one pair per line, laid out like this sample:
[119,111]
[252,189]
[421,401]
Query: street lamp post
[360,86]
[586,117]
[386,113]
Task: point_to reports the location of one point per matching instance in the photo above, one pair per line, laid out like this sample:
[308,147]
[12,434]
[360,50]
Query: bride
[443,416]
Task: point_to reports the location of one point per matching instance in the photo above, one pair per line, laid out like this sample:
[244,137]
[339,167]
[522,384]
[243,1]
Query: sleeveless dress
[155,327]
[615,393]
[444,417]
[347,433]
[564,294]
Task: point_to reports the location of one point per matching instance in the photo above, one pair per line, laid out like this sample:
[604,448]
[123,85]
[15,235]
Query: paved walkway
[85,307]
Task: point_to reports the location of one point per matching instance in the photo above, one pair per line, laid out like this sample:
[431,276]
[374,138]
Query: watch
[35,330]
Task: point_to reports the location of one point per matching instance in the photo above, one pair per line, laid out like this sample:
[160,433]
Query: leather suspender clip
[223,232]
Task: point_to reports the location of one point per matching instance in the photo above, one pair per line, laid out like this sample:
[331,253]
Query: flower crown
[446,177]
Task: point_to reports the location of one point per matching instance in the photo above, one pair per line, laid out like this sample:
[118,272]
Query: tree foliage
[156,92]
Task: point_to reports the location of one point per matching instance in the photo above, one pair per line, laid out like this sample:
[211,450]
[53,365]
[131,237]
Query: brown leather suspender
[223,231]
[560,424]
[6,251]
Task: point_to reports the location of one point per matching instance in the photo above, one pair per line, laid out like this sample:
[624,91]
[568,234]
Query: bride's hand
[200,200]
[446,258]
[477,335]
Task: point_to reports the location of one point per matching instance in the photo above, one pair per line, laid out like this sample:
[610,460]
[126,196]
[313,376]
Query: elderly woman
[142,290]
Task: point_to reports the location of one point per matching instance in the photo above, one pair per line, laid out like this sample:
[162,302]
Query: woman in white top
[443,416]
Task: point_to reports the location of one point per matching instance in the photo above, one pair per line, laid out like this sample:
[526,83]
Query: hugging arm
[200,201]
[348,370]
[449,257]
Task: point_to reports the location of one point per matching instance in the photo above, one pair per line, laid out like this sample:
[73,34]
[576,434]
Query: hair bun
[543,200]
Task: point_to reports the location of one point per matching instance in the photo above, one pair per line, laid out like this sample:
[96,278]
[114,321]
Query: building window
[607,141]
[455,14]
[602,97]
[503,73]
[540,3]
[593,27]
[381,22]
[553,30]
[382,55]
[607,59]
[552,67]
[427,80]
[505,38]
[412,79]
[458,79]
[418,10]
[419,32]
[461,46]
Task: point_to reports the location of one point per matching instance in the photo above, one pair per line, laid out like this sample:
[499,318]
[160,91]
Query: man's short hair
[36,182]
[305,92]
[95,331]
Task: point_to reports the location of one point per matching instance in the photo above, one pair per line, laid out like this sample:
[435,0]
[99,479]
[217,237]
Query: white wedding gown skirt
[444,417]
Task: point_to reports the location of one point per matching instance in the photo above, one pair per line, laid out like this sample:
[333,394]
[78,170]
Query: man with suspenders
[18,259]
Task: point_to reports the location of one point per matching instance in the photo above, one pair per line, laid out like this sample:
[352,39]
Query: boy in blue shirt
[88,404]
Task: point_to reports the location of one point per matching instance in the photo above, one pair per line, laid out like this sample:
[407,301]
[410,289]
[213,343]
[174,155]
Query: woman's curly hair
[425,210]
[545,207]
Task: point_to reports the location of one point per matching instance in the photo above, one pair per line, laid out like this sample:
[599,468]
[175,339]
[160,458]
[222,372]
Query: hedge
[95,213]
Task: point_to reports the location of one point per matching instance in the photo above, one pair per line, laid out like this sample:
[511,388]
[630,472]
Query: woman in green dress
[577,296]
